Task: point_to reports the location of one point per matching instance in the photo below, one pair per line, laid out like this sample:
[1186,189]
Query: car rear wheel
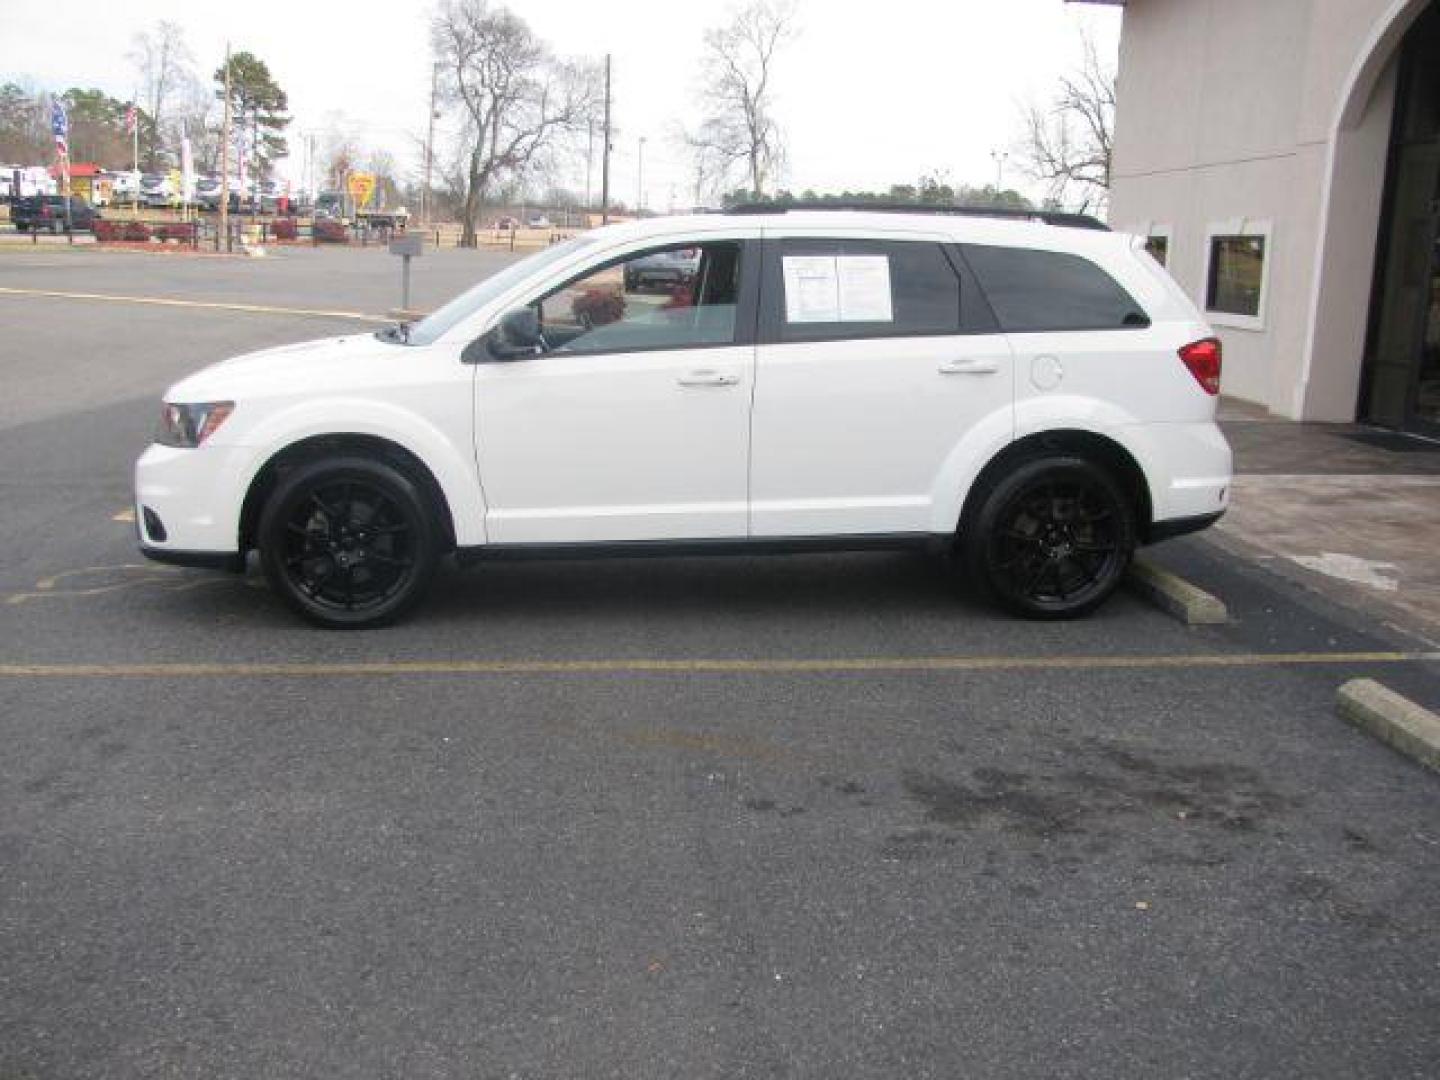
[349,542]
[1052,538]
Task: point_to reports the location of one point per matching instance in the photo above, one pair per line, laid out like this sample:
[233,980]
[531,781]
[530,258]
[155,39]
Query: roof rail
[1048,217]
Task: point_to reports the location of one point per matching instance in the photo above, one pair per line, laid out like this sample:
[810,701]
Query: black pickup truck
[46,213]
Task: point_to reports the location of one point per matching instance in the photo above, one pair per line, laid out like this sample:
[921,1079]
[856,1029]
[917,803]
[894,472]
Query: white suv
[1031,393]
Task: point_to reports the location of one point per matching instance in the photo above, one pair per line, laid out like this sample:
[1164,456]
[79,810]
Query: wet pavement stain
[1111,782]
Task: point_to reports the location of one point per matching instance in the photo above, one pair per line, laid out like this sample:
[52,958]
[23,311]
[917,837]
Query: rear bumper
[1189,470]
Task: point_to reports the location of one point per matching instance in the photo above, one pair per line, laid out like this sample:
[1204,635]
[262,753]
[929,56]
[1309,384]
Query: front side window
[1159,248]
[1034,291]
[1237,275]
[667,298]
[428,330]
[866,288]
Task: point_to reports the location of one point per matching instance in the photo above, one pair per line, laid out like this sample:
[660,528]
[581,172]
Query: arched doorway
[1401,378]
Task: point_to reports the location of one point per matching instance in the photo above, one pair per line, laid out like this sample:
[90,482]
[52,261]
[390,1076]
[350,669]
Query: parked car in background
[124,186]
[46,213]
[207,192]
[538,221]
[1030,394]
[271,191]
[24,181]
[9,183]
[157,190]
[668,270]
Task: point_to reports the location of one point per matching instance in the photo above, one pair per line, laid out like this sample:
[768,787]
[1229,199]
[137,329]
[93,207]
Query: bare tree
[738,128]
[195,117]
[339,150]
[517,99]
[163,61]
[1068,144]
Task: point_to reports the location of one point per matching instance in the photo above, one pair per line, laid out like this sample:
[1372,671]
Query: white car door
[631,421]
[878,357]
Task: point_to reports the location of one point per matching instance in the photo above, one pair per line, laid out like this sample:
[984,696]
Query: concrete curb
[1171,593]
[1396,720]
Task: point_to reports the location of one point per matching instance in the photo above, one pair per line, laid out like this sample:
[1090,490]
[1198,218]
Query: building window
[1236,273]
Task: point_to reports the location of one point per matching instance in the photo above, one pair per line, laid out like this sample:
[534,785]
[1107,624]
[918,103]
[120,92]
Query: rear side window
[826,289]
[1033,291]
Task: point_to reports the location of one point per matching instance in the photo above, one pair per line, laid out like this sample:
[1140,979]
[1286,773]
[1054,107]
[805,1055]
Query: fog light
[154,527]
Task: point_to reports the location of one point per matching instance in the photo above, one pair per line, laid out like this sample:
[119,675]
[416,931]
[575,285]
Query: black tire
[1051,538]
[349,542]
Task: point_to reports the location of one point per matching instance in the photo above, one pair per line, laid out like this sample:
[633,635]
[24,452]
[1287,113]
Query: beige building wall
[1274,118]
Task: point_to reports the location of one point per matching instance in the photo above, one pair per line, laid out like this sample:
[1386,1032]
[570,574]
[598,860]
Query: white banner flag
[187,171]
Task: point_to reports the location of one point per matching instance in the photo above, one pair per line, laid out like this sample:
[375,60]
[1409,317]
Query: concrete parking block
[1391,718]
[1171,593]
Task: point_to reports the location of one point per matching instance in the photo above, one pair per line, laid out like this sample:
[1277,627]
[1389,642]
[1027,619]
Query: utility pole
[999,157]
[429,141]
[225,157]
[640,179]
[605,153]
[255,158]
[589,156]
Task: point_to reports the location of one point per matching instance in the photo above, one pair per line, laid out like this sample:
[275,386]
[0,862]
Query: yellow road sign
[362,187]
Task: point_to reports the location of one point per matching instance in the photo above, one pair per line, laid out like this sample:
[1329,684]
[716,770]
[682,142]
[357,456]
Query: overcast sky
[868,94]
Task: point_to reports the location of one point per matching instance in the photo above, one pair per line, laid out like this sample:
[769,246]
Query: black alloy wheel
[348,542]
[1053,538]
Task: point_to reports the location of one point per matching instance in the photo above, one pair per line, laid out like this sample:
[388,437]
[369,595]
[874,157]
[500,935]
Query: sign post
[407,245]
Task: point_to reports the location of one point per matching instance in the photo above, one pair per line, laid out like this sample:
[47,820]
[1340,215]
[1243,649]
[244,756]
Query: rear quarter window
[1036,291]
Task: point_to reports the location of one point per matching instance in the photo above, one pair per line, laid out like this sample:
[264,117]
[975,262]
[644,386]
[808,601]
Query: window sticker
[865,288]
[844,288]
[812,289]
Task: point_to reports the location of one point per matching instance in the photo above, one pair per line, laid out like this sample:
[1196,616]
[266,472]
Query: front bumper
[205,560]
[194,496]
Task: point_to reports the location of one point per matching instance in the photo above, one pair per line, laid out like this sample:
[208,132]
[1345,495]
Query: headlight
[190,425]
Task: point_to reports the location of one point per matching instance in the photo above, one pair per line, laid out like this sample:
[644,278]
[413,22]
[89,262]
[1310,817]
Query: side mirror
[517,335]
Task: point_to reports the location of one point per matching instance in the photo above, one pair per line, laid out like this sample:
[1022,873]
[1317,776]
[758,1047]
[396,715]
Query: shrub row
[140,232]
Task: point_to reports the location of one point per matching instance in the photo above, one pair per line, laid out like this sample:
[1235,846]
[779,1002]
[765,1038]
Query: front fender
[452,466]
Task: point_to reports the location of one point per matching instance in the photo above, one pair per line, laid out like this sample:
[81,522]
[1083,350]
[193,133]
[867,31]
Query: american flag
[130,119]
[60,126]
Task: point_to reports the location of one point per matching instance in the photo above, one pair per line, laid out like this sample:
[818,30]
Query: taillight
[1203,359]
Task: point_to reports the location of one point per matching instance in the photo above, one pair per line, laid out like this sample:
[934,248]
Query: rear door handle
[970,367]
[707,378]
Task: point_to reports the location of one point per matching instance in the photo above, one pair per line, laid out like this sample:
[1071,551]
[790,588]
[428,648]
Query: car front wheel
[1052,538]
[348,542]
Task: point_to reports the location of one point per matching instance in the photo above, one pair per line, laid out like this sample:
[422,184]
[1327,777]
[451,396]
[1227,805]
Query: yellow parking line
[704,666]
[166,301]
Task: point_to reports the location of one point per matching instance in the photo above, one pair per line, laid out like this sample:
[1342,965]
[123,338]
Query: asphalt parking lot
[807,816]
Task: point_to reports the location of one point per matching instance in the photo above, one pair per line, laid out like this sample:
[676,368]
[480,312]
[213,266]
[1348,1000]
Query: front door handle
[980,366]
[707,378]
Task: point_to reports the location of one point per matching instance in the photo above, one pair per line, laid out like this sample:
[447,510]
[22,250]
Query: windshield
[429,329]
